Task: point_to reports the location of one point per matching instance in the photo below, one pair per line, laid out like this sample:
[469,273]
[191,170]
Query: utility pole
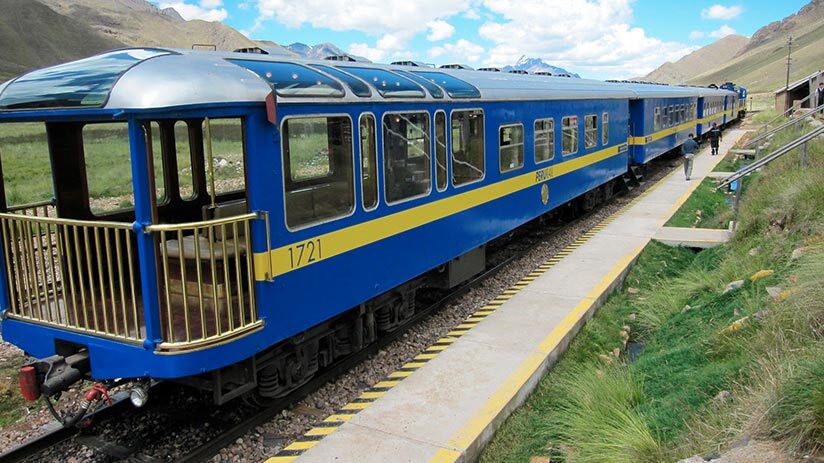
[789,60]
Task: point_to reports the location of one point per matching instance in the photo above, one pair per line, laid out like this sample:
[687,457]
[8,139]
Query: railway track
[519,244]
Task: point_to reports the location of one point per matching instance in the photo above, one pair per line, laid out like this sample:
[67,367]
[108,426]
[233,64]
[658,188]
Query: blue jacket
[689,147]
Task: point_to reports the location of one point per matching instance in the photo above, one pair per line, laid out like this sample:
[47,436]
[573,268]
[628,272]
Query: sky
[600,39]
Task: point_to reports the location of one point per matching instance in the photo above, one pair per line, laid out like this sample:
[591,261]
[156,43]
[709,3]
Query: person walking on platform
[688,149]
[715,138]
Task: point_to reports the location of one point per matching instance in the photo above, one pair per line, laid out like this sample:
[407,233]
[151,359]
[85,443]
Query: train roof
[149,78]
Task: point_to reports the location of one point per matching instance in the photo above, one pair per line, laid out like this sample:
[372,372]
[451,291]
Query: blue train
[278,214]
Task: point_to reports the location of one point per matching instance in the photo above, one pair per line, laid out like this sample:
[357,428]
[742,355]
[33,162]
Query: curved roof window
[456,88]
[388,84]
[83,83]
[433,89]
[289,79]
[357,86]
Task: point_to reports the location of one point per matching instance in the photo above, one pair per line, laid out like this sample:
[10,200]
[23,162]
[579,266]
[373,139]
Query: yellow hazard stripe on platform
[304,253]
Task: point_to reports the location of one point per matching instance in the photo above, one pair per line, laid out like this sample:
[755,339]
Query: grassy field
[27,169]
[713,365]
[706,208]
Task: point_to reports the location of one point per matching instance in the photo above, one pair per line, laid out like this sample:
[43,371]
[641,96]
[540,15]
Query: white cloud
[211,4]
[591,36]
[439,30]
[189,11]
[722,31]
[243,6]
[695,35]
[389,44]
[721,12]
[373,17]
[462,51]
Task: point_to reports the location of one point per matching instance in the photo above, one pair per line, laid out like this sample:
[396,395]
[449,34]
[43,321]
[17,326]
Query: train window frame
[605,129]
[550,139]
[671,116]
[656,122]
[438,187]
[576,139]
[375,161]
[215,121]
[664,117]
[451,146]
[429,133]
[513,145]
[102,213]
[588,130]
[353,159]
[157,153]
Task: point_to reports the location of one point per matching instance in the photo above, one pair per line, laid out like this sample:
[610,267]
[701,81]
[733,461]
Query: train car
[241,221]
[661,119]
[712,108]
[740,103]
[663,116]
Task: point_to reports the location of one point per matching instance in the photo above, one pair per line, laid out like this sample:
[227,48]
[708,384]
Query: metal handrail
[201,224]
[783,126]
[207,282]
[790,109]
[76,275]
[45,202]
[772,156]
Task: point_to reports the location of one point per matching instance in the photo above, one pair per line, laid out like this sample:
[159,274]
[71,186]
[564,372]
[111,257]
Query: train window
[511,147]
[456,88]
[358,87]
[154,143]
[288,79]
[317,166]
[590,131]
[569,134]
[183,154]
[108,166]
[657,121]
[406,158]
[672,115]
[468,150]
[433,89]
[605,129]
[664,118]
[27,174]
[227,155]
[682,113]
[369,161]
[544,140]
[440,150]
[388,84]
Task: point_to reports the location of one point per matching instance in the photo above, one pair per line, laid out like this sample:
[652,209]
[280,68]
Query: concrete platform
[692,237]
[447,403]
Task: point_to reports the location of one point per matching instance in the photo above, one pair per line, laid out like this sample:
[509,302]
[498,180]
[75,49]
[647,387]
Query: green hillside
[763,69]
[762,64]
[33,36]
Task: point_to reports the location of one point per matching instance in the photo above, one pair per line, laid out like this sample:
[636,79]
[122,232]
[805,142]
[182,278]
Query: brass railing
[207,292]
[39,209]
[73,274]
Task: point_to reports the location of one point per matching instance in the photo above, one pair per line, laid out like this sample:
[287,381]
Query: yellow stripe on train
[307,252]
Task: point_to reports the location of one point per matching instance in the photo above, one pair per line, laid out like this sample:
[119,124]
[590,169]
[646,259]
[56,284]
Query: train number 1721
[305,253]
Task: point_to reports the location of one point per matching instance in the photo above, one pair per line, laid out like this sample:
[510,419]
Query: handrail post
[803,151]
[146,253]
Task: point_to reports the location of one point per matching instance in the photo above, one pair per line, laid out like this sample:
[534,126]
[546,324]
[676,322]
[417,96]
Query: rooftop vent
[490,69]
[543,73]
[416,64]
[456,66]
[518,71]
[340,58]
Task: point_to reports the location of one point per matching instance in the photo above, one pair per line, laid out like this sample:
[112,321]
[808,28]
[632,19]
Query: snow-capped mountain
[533,65]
